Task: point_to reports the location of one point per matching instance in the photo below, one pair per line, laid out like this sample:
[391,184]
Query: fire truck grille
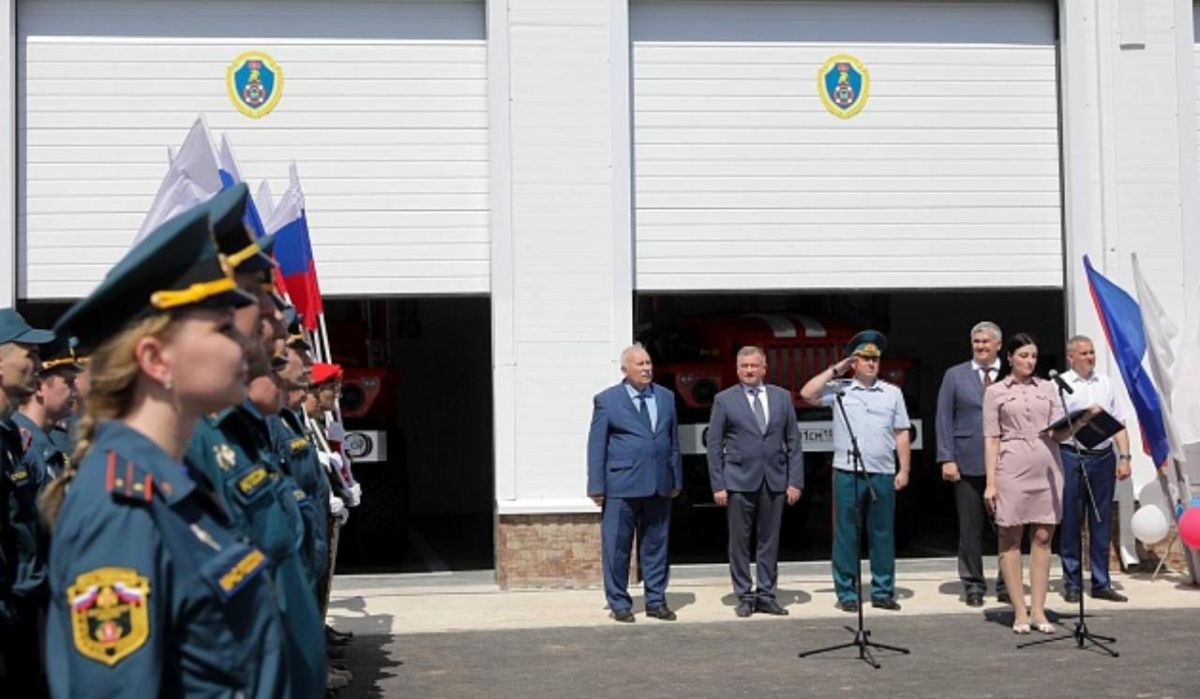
[791,365]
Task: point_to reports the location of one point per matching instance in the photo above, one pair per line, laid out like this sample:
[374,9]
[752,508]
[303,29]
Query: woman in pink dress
[1024,474]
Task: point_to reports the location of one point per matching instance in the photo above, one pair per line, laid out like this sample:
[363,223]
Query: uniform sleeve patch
[233,579]
[109,616]
[252,482]
[19,477]
[298,444]
[300,495]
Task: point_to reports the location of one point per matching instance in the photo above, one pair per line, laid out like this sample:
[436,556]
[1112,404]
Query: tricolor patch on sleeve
[109,616]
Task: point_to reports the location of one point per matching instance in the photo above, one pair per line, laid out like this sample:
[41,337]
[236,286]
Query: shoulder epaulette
[128,481]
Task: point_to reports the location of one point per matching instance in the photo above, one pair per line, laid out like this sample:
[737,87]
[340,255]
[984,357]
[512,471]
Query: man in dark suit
[634,469]
[754,465]
[960,452]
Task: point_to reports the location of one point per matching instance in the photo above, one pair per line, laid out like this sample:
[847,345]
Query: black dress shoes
[1003,598]
[1071,595]
[770,606]
[888,603]
[661,612]
[744,609]
[622,615]
[1109,594]
[849,605]
[974,599]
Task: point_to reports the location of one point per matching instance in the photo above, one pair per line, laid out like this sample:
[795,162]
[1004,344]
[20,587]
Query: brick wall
[559,550]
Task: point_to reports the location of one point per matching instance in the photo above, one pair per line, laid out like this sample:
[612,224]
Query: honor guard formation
[173,480]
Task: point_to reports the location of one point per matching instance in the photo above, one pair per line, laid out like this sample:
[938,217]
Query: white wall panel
[384,110]
[948,178]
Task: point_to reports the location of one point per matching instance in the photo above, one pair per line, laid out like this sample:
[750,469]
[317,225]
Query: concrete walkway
[457,602]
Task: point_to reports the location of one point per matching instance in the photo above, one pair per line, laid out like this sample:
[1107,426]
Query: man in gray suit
[960,452]
[754,465]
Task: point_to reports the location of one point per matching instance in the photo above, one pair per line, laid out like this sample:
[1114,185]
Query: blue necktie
[644,411]
[759,412]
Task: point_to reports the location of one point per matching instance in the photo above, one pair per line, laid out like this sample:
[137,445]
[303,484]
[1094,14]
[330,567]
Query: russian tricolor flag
[1121,319]
[293,252]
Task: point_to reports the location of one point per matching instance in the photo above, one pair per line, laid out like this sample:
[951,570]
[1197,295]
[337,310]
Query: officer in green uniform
[234,449]
[879,420]
[154,590]
[23,542]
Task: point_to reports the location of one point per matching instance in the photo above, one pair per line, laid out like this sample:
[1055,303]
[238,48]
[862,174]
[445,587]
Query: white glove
[355,495]
[336,461]
[337,509]
[323,457]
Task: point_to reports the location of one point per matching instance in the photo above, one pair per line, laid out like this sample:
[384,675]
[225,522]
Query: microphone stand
[862,637]
[1081,635]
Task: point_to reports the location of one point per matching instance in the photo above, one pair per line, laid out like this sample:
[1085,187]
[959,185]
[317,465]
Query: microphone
[1062,384]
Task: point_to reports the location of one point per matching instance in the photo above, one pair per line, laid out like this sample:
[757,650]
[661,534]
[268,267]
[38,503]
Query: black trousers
[761,513]
[972,527]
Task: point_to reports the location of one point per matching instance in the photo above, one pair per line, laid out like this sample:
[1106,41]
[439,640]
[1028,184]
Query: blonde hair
[114,372]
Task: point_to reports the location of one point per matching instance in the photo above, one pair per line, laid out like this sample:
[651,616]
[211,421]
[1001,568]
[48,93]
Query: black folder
[1098,429]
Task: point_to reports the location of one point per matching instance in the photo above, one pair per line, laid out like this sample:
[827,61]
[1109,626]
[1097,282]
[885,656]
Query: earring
[168,384]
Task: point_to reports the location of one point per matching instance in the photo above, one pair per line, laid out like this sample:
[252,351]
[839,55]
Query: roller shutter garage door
[948,177]
[384,110]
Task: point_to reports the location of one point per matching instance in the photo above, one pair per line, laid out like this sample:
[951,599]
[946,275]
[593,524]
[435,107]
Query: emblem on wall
[843,83]
[255,83]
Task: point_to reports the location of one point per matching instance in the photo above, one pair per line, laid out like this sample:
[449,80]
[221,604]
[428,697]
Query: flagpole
[1183,497]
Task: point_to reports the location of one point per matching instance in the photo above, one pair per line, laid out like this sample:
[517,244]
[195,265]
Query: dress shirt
[651,405]
[1097,389]
[875,413]
[762,397]
[994,367]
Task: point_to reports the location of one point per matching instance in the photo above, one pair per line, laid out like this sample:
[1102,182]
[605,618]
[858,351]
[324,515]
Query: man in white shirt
[1104,469]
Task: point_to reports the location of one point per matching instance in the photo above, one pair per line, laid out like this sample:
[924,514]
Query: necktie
[758,410]
[987,376]
[644,411]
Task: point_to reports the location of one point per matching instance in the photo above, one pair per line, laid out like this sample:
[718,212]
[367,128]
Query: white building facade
[562,157]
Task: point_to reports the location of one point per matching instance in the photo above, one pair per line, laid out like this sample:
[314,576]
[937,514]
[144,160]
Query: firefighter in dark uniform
[154,590]
[234,448]
[23,541]
[61,434]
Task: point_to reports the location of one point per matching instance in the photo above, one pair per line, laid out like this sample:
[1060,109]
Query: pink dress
[1029,474]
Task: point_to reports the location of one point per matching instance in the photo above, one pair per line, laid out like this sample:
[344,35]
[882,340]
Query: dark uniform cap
[60,354]
[176,266]
[226,213]
[14,328]
[868,343]
[295,329]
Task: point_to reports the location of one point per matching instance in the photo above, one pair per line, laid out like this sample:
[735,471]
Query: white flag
[1160,337]
[264,201]
[1185,403]
[192,178]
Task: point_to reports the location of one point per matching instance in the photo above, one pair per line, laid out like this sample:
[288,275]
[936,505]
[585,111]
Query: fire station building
[503,195]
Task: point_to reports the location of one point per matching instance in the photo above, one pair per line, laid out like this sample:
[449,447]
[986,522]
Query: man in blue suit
[754,465]
[960,452]
[634,469]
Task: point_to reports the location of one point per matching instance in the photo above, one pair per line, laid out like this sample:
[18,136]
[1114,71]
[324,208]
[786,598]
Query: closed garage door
[384,110]
[948,177]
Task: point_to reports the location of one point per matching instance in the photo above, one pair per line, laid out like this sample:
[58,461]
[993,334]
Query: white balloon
[1150,525]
